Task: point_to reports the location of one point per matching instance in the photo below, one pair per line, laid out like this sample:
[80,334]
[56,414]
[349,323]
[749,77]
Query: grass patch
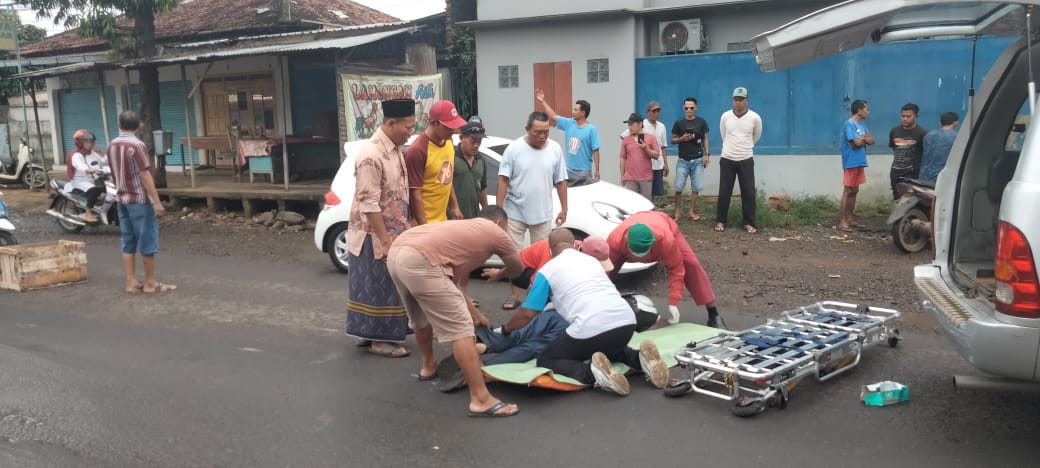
[805,211]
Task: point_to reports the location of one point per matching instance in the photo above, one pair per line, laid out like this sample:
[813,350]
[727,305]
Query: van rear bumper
[991,346]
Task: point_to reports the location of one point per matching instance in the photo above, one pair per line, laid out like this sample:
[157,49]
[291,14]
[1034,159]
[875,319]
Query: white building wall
[505,110]
[505,9]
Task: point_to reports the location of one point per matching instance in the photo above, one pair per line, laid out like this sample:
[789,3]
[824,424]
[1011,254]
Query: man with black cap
[653,236]
[378,214]
[638,151]
[430,164]
[470,182]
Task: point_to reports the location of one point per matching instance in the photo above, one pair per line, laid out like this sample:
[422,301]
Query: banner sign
[8,30]
[363,94]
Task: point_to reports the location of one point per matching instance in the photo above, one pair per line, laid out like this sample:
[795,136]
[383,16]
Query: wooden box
[34,266]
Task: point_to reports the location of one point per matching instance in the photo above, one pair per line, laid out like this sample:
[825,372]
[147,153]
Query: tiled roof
[196,19]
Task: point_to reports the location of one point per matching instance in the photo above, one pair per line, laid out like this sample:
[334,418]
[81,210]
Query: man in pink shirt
[652,236]
[638,150]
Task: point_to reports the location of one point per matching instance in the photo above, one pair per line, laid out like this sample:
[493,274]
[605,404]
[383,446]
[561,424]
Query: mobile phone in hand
[640,138]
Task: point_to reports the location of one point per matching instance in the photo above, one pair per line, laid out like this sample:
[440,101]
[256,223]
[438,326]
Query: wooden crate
[34,266]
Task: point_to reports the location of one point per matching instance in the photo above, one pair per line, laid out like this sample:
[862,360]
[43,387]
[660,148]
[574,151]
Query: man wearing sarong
[379,213]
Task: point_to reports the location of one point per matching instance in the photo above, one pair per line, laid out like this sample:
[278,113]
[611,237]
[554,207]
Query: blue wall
[171,113]
[310,89]
[802,108]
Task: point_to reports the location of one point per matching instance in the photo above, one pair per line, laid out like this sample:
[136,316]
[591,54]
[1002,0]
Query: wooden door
[554,78]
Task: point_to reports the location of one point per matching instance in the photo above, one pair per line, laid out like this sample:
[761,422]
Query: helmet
[82,136]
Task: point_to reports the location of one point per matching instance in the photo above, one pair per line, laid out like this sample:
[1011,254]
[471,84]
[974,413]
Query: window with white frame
[509,76]
[599,70]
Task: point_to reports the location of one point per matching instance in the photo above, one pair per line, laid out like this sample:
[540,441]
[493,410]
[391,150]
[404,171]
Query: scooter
[6,228]
[68,208]
[23,169]
[911,218]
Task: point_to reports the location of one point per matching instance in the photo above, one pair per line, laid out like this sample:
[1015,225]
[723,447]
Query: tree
[27,34]
[102,19]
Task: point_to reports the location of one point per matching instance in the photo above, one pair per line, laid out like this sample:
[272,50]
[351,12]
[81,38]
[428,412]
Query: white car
[594,209]
[981,284]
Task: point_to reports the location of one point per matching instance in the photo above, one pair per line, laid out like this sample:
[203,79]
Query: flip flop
[843,228]
[856,225]
[161,287]
[750,229]
[426,378]
[509,305]
[695,216]
[390,353]
[492,412]
[363,343]
[135,289]
[719,227]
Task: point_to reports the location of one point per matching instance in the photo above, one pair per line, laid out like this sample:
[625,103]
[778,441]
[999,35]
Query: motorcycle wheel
[34,178]
[7,239]
[68,210]
[904,236]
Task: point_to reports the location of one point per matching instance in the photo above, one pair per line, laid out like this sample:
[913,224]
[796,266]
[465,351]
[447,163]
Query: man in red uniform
[652,236]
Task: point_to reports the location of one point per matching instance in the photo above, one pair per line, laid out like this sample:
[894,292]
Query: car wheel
[336,245]
[7,239]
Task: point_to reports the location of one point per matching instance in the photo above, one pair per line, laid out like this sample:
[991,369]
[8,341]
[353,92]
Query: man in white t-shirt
[741,129]
[655,127]
[601,322]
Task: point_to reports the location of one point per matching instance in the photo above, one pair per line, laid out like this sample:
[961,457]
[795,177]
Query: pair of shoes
[492,412]
[606,377]
[650,361]
[717,322]
[390,351]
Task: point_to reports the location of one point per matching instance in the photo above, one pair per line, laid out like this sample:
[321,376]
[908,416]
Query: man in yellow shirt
[430,163]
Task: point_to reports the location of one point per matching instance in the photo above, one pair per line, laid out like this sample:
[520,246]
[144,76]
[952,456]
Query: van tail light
[1017,291]
[331,199]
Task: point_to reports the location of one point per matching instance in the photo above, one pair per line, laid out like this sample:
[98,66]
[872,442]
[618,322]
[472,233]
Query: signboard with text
[8,30]
[363,94]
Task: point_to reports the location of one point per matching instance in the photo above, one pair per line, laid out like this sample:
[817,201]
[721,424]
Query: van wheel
[905,236]
[7,239]
[336,245]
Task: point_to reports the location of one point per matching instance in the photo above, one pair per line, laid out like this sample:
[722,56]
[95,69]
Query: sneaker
[650,360]
[606,377]
[717,322]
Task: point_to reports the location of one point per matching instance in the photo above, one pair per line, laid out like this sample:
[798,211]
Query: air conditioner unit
[680,37]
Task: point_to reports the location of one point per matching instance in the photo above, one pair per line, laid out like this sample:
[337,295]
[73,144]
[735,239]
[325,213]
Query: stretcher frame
[756,368]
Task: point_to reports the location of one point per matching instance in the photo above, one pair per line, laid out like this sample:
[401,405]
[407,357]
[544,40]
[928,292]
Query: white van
[981,285]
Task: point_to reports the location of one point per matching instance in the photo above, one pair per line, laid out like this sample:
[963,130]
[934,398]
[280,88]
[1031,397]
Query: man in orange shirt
[430,162]
[652,236]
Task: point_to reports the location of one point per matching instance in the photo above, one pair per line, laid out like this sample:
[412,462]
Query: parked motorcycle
[68,208]
[23,169]
[911,218]
[6,228]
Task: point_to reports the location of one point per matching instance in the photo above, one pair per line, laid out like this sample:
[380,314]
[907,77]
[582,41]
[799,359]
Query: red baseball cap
[444,112]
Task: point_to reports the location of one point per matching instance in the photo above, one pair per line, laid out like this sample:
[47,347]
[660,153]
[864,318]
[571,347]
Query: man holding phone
[691,134]
[638,149]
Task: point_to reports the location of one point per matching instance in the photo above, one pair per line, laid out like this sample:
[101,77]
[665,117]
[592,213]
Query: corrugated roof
[71,68]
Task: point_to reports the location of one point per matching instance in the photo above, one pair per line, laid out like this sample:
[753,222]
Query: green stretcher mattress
[669,340]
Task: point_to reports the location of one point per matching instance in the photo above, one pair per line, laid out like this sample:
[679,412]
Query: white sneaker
[606,377]
[650,360]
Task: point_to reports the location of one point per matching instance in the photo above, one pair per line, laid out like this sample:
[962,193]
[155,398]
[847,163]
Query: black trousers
[568,356]
[743,172]
[92,195]
[895,174]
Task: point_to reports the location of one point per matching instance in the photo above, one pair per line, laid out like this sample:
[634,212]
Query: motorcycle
[68,208]
[6,228]
[911,218]
[23,169]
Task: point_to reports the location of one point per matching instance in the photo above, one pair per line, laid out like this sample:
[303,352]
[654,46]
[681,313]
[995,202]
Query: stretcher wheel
[748,408]
[779,401]
[677,388]
[893,338]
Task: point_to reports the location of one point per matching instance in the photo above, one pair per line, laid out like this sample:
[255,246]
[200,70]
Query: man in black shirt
[691,134]
[907,143]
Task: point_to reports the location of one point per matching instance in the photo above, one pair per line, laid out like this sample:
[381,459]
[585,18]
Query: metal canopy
[65,69]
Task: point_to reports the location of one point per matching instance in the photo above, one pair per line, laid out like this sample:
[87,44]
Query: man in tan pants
[426,264]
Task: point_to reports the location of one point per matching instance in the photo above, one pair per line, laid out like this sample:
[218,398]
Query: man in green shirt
[470,181]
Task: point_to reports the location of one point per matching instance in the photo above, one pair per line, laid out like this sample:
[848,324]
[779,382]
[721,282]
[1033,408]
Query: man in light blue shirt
[937,145]
[855,136]
[531,166]
[581,137]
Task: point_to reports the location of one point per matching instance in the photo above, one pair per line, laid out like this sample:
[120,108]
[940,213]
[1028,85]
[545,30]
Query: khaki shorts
[429,296]
[642,187]
[517,229]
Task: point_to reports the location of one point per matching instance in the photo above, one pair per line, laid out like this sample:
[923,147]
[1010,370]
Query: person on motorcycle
[85,164]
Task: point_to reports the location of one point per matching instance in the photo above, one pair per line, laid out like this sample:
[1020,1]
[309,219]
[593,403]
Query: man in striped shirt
[139,204]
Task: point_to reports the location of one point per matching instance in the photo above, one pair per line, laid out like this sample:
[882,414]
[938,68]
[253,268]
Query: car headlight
[610,212]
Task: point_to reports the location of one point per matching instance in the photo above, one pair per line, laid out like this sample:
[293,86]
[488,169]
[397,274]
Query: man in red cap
[430,162]
[652,236]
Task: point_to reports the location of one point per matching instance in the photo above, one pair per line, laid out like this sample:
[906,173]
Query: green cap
[640,239]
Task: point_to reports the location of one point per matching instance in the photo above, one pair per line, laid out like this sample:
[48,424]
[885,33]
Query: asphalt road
[246,365]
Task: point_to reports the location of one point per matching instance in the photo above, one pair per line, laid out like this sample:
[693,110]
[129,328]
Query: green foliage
[28,33]
[805,211]
[462,59]
[100,18]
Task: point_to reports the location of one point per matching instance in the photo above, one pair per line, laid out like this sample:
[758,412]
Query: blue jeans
[524,344]
[693,170]
[139,229]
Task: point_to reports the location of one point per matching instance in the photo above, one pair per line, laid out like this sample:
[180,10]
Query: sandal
[390,351]
[160,287]
[492,412]
[509,305]
[750,229]
[843,228]
[719,227]
[695,216]
[135,289]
